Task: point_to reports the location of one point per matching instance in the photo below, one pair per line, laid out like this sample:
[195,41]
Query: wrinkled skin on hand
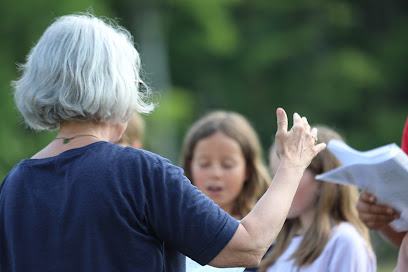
[297,146]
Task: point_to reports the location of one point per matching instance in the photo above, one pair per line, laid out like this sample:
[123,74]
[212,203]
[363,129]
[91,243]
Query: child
[322,231]
[222,156]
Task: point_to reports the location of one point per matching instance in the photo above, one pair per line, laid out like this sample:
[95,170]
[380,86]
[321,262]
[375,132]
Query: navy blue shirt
[104,207]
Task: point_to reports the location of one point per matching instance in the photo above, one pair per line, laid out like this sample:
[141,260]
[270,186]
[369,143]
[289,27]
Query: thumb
[282,121]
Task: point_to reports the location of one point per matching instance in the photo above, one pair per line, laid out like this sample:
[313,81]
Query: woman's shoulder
[146,160]
[124,153]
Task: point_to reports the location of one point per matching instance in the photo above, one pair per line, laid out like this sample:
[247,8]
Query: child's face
[219,170]
[304,201]
[303,204]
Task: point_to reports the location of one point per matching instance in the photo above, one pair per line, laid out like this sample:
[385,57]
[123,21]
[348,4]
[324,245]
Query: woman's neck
[78,134]
[102,131]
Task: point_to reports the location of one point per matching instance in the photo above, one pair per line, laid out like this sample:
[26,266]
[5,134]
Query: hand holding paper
[382,172]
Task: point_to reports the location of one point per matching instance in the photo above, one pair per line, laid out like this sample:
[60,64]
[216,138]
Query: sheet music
[382,172]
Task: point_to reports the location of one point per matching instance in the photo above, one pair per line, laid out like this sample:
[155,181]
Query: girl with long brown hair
[222,156]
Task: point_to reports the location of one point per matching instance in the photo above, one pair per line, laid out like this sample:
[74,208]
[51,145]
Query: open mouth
[214,189]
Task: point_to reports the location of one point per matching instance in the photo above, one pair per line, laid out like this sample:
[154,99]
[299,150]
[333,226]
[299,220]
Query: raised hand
[297,147]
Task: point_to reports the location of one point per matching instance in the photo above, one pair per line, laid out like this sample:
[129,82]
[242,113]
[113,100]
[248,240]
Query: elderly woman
[85,204]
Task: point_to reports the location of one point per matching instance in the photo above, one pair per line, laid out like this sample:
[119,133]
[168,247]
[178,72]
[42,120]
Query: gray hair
[82,69]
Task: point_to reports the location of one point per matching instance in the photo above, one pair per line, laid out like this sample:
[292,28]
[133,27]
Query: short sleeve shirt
[104,207]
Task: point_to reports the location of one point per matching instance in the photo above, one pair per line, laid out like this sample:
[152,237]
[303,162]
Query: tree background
[340,63]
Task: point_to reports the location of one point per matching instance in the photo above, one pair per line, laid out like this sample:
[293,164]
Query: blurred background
[340,63]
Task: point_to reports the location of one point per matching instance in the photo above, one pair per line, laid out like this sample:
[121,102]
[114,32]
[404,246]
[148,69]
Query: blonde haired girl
[322,231]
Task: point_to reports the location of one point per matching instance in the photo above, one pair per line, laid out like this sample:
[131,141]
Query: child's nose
[216,170]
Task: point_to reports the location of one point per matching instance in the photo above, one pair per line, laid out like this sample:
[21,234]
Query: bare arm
[260,227]
[378,217]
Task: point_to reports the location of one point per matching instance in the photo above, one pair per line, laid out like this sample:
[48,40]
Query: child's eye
[228,165]
[203,164]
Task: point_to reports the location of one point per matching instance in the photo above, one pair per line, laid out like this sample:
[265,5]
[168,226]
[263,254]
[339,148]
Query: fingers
[366,204]
[296,146]
[297,120]
[378,221]
[282,120]
[366,197]
[373,215]
[319,148]
[313,132]
[302,122]
[305,123]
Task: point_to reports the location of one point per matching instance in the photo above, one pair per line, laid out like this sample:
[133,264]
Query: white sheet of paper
[382,171]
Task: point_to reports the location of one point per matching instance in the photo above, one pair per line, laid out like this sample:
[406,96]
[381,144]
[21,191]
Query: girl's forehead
[218,136]
[218,144]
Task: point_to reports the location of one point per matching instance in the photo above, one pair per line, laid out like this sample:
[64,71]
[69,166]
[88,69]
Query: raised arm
[378,217]
[256,232]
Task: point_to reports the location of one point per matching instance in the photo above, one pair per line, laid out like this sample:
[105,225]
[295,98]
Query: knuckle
[298,128]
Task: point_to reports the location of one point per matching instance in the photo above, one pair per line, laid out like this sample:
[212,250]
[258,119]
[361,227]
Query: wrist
[291,166]
[290,171]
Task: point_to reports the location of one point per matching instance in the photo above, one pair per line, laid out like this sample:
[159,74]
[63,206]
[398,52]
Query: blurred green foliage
[340,63]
